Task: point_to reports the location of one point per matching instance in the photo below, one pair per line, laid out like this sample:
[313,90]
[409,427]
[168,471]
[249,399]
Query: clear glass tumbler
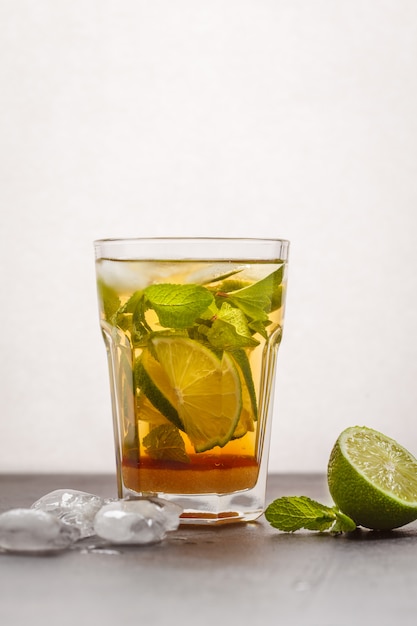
[192,328]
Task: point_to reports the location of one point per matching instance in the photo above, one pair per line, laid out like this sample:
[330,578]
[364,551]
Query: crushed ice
[75,508]
[63,518]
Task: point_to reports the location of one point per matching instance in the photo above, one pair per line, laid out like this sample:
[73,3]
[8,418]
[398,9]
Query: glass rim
[116,240]
[191,248]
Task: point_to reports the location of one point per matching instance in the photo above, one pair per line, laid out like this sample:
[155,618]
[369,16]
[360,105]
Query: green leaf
[178,306]
[110,301]
[276,300]
[233,285]
[343,524]
[259,326]
[230,330]
[261,297]
[165,443]
[130,317]
[210,313]
[131,304]
[252,311]
[293,513]
[140,328]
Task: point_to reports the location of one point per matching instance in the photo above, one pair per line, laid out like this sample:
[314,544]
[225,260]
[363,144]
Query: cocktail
[192,328]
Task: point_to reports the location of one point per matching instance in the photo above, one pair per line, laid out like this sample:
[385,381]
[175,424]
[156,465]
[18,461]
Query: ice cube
[76,508]
[30,530]
[171,511]
[139,522]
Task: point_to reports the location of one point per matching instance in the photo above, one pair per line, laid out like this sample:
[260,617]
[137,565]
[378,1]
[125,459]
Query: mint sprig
[224,317]
[296,512]
[227,314]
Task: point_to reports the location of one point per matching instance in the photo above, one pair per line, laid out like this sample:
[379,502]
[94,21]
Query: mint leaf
[293,513]
[210,313]
[276,299]
[261,297]
[343,524]
[165,443]
[140,328]
[109,299]
[248,307]
[233,285]
[131,317]
[131,304]
[260,327]
[178,306]
[230,330]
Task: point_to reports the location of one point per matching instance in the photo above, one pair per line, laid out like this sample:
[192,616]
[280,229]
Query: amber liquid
[225,470]
[218,474]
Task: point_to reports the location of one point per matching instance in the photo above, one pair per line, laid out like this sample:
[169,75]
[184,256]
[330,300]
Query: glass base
[213,509]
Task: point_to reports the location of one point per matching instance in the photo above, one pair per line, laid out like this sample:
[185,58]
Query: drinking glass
[192,328]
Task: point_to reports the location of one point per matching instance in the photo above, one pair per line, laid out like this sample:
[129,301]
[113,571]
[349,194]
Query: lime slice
[147,412]
[146,370]
[246,421]
[203,389]
[373,479]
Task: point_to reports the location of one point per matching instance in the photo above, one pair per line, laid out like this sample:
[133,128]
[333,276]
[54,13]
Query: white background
[292,119]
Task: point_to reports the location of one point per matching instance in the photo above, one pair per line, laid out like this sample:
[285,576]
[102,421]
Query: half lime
[373,479]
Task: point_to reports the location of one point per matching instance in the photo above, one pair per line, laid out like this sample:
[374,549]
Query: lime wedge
[204,390]
[373,479]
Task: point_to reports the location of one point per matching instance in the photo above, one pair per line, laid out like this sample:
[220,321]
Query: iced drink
[192,345]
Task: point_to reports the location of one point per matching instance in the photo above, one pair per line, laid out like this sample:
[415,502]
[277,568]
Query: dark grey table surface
[235,574]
